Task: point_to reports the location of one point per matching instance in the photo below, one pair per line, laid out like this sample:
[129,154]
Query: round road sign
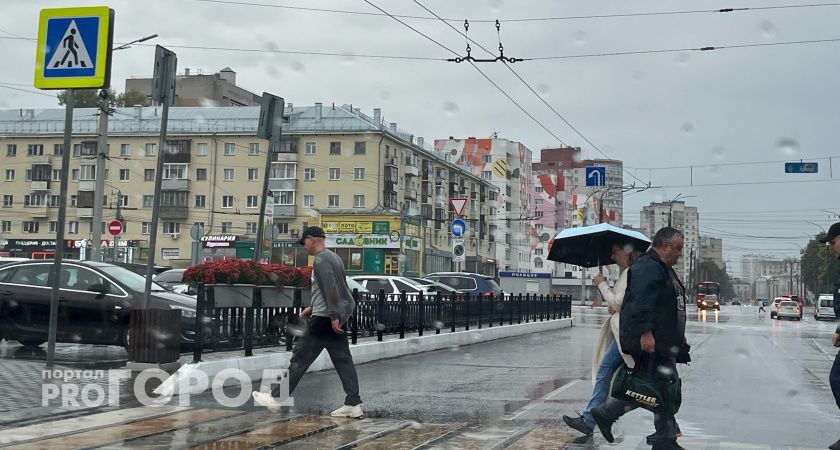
[115,227]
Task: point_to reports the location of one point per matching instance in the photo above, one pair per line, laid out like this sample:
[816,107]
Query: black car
[473,283]
[140,269]
[94,303]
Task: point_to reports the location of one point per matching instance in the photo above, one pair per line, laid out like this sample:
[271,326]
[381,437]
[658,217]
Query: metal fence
[376,315]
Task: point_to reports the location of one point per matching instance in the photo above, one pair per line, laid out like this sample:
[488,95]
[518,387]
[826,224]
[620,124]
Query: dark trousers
[834,379]
[319,336]
[665,424]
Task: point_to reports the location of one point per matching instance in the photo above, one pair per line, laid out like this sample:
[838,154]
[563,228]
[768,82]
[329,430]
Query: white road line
[542,399]
[822,350]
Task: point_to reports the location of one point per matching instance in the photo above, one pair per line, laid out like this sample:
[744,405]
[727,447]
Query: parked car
[353,284]
[439,287]
[94,306]
[788,308]
[140,269]
[473,283]
[736,302]
[170,277]
[392,284]
[824,308]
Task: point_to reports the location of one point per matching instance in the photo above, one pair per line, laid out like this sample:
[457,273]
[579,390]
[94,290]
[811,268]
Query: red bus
[708,295]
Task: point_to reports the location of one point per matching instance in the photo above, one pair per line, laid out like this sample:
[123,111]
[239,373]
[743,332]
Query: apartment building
[684,218]
[200,89]
[334,167]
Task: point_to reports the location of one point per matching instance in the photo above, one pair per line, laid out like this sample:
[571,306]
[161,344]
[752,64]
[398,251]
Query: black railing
[376,315]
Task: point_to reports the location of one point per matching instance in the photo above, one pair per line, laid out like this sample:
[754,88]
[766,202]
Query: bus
[708,295]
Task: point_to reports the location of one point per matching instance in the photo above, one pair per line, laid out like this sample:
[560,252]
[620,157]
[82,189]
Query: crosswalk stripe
[414,436]
[89,422]
[120,433]
[276,434]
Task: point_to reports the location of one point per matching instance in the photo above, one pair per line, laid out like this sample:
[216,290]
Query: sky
[735,114]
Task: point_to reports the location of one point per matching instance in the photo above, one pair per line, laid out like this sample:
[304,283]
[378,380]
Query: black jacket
[653,302]
[837,302]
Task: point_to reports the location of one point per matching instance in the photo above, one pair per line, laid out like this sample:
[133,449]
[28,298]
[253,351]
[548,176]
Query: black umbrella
[592,246]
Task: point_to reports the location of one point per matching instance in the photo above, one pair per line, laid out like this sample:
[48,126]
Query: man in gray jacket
[332,306]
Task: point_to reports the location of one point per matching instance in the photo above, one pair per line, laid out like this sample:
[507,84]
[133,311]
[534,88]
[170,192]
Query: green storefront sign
[360,241]
[374,261]
[381,227]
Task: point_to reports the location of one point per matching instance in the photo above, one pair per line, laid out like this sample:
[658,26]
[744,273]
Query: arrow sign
[596,176]
[458,228]
[458,204]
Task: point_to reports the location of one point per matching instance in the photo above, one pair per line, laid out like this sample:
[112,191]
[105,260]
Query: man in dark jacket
[832,239]
[653,318]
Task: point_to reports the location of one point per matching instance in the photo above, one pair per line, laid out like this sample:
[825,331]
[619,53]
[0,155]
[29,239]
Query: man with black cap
[832,240]
[332,306]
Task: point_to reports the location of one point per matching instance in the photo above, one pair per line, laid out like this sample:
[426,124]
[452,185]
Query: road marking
[822,350]
[542,399]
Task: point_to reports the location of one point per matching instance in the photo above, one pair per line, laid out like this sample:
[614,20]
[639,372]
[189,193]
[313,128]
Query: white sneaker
[353,412]
[267,400]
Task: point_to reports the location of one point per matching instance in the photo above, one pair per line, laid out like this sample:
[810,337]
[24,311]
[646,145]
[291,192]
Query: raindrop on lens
[271,46]
[295,329]
[687,128]
[718,153]
[768,30]
[666,371]
[580,38]
[380,327]
[683,58]
[384,95]
[788,146]
[207,102]
[467,356]
[450,108]
[638,75]
[543,88]
[348,58]
[272,71]
[439,325]
[742,353]
[454,348]
[791,393]
[495,5]
[297,66]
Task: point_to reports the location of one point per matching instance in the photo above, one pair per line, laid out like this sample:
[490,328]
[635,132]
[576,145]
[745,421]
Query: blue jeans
[609,364]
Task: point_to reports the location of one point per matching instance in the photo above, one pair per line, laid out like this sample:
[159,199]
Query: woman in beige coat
[608,356]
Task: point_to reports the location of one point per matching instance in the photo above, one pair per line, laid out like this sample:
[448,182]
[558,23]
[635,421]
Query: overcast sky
[654,110]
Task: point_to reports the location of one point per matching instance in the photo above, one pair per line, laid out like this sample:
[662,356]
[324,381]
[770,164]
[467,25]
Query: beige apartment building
[381,196]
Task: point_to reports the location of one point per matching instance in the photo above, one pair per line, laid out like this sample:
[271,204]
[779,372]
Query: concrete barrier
[182,381]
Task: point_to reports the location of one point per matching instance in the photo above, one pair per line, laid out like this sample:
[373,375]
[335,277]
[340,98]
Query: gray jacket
[331,297]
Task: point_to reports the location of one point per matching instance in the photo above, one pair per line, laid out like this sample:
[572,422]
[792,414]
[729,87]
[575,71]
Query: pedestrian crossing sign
[74,48]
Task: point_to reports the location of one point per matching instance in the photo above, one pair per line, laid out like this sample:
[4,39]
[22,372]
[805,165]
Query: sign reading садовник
[74,48]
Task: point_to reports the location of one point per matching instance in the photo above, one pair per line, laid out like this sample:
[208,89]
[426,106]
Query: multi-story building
[711,250]
[217,89]
[359,179]
[506,165]
[684,218]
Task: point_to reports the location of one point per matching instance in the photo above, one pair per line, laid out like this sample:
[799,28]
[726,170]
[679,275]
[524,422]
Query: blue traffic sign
[458,228]
[596,176]
[801,167]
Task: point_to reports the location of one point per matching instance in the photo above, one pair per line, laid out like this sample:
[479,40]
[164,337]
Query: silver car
[788,308]
[824,308]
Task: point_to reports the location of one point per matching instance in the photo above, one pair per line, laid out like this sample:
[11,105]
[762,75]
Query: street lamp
[671,204]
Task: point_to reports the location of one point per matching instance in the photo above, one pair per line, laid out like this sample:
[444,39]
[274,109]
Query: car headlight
[185,311]
[704,302]
[717,303]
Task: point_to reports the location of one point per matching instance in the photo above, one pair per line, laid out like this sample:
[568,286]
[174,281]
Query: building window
[227,201]
[286,198]
[358,201]
[333,201]
[123,201]
[34,150]
[253,174]
[171,228]
[201,174]
[73,227]
[538,251]
[8,201]
[200,201]
[335,148]
[308,174]
[30,226]
[538,263]
[77,149]
[310,148]
[175,171]
[539,202]
[87,172]
[359,173]
[486,175]
[486,159]
[125,149]
[7,227]
[227,227]
[309,201]
[74,200]
[148,201]
[539,190]
[283,171]
[149,175]
[254,148]
[335,174]
[11,150]
[250,227]
[230,148]
[124,174]
[538,214]
[28,175]
[229,174]
[360,148]
[58,149]
[252,201]
[151,149]
[10,174]
[201,149]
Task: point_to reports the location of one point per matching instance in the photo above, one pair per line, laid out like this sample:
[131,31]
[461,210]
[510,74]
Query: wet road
[754,383]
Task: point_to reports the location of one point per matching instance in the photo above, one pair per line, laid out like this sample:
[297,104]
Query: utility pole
[101,147]
[269,128]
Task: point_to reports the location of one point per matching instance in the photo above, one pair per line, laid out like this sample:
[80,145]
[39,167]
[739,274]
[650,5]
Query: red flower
[243,271]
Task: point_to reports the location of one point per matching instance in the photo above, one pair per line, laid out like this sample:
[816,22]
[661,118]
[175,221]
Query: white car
[392,284]
[824,308]
[788,308]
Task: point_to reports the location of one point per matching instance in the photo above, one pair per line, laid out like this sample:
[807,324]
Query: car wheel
[125,337]
[32,342]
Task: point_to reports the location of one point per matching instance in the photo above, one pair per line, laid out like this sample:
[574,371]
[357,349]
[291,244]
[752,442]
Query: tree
[709,271]
[89,98]
[819,267]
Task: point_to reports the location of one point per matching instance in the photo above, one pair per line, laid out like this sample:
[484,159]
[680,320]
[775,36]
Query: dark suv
[472,283]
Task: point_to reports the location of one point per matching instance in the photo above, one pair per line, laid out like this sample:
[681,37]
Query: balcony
[41,160]
[282,184]
[87,185]
[84,213]
[175,184]
[284,211]
[174,212]
[411,170]
[411,194]
[37,212]
[39,185]
[177,151]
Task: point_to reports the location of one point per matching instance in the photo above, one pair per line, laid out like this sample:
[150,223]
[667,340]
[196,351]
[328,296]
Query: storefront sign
[348,227]
[26,245]
[106,243]
[411,243]
[361,241]
[170,253]
[219,241]
[523,275]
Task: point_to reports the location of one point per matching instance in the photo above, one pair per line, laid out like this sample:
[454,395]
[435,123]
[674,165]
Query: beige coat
[609,331]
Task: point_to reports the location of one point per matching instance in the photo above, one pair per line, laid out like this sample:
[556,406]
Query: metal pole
[101,148]
[69,101]
[277,117]
[153,232]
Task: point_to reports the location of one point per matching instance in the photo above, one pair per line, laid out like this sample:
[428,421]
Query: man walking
[652,326]
[332,306]
[832,239]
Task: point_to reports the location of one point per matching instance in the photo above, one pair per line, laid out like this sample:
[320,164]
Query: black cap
[311,232]
[833,232]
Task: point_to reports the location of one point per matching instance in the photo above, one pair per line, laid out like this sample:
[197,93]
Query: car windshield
[130,279]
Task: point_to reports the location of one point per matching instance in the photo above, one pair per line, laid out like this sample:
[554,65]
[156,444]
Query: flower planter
[284,296]
[232,295]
